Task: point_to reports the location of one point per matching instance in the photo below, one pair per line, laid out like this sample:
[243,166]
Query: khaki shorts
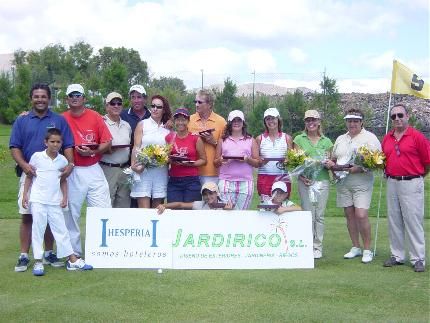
[354,194]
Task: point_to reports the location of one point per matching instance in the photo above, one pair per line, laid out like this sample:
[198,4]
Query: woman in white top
[151,131]
[354,192]
[273,143]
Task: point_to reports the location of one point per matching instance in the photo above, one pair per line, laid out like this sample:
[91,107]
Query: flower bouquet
[149,156]
[153,155]
[299,164]
[369,159]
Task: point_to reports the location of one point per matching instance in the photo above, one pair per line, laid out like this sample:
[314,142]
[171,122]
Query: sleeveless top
[273,149]
[152,133]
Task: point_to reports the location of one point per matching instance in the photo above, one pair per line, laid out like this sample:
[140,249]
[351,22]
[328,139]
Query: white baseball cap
[272,112]
[75,88]
[235,114]
[138,88]
[280,185]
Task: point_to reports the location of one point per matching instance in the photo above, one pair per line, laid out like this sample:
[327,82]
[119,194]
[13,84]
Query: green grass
[337,290]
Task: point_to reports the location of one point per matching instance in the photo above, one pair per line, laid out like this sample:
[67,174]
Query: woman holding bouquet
[236,155]
[316,146]
[153,180]
[273,143]
[188,154]
[354,192]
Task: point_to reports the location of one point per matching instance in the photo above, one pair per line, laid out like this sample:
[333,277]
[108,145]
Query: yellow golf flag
[404,81]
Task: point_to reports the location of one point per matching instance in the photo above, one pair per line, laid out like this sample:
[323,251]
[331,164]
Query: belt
[404,178]
[115,165]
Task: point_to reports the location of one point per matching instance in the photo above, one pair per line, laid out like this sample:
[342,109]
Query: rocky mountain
[376,103]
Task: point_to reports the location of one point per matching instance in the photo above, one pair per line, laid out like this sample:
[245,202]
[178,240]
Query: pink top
[184,147]
[235,170]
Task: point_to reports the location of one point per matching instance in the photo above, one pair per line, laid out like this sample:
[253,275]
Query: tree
[255,117]
[173,83]
[292,109]
[226,100]
[137,70]
[327,103]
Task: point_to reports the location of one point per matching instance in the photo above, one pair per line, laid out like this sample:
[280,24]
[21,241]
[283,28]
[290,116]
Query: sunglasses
[154,106]
[75,95]
[399,115]
[115,103]
[311,120]
[199,102]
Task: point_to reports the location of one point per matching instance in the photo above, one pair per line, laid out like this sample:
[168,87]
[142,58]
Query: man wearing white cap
[354,192]
[116,159]
[138,110]
[87,181]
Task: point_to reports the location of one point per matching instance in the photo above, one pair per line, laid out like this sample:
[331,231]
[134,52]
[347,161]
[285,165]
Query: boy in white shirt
[48,194]
[280,198]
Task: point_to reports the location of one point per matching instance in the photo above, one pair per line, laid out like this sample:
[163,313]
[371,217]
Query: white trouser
[84,182]
[52,214]
[405,209]
[317,209]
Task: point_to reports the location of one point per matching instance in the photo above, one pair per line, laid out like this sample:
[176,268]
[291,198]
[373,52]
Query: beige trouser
[317,209]
[118,188]
[405,208]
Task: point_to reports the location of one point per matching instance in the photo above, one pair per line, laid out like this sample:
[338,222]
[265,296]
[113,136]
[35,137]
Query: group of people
[211,167]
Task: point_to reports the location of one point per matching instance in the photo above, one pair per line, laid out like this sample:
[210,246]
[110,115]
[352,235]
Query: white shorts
[153,183]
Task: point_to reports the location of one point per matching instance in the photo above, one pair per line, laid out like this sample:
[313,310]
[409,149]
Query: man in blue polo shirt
[137,111]
[27,137]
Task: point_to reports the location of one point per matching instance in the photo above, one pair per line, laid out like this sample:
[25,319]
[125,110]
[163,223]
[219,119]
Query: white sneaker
[317,254]
[354,252]
[78,265]
[367,256]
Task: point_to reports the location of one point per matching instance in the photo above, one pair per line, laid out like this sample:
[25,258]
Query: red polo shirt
[412,155]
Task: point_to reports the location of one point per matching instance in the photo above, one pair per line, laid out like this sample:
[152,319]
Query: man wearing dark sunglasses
[209,126]
[407,154]
[87,181]
[116,159]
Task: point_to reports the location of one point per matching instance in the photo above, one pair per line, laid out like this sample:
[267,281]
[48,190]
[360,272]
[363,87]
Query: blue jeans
[184,189]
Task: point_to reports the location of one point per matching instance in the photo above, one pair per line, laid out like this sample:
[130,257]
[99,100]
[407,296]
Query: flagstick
[380,182]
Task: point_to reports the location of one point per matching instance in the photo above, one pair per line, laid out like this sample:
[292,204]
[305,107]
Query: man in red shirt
[87,181]
[408,160]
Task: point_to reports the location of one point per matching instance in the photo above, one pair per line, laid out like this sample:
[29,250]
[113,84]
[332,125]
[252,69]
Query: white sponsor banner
[127,238]
[242,240]
[140,238]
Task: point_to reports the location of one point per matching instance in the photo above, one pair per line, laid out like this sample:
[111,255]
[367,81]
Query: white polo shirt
[46,185]
[121,134]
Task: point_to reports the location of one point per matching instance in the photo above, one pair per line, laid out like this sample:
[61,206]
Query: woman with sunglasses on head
[236,155]
[354,192]
[273,143]
[151,131]
[315,145]
[188,153]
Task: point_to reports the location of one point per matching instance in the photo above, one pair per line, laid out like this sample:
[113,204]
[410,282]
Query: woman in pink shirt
[236,155]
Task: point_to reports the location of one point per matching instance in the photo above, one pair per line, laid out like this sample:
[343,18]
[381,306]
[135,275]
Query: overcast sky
[289,43]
